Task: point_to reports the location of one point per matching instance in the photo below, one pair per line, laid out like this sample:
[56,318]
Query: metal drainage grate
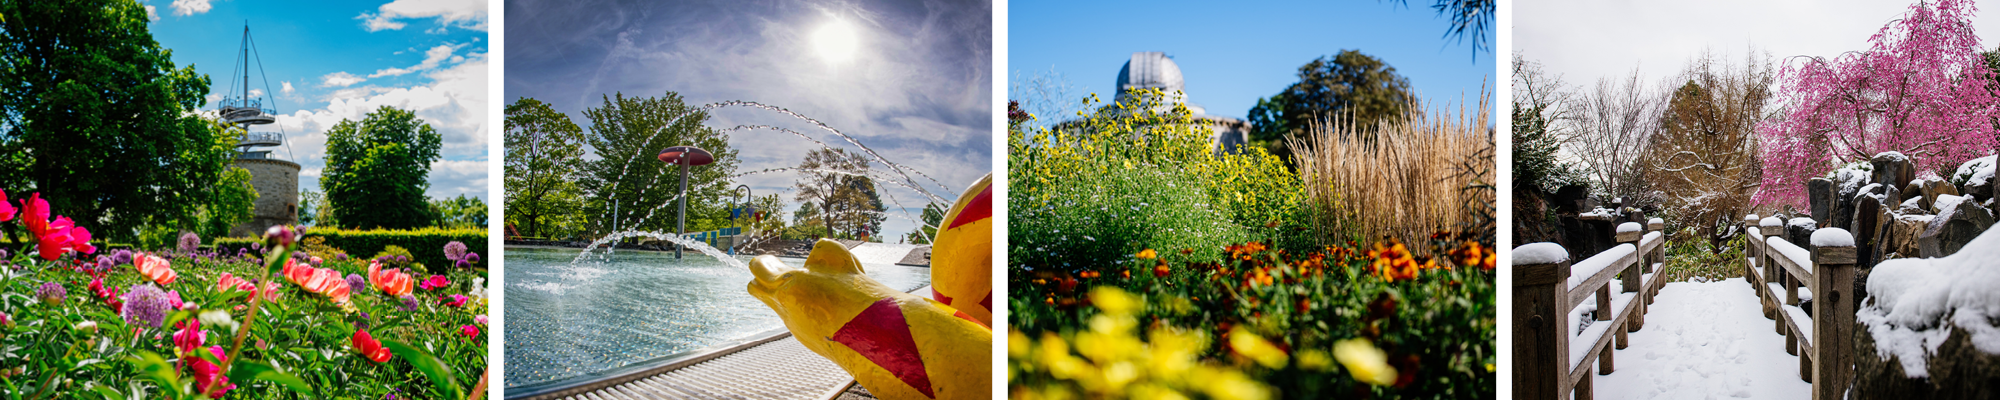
[781,369]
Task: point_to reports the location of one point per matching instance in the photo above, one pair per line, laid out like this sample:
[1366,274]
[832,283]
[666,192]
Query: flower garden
[284,317]
[1145,265]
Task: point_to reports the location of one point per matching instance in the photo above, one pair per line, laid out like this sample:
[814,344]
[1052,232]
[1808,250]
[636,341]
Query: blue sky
[333,60]
[914,83]
[1232,53]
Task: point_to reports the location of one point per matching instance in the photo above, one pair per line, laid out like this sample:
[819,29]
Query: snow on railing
[1566,315]
[1822,275]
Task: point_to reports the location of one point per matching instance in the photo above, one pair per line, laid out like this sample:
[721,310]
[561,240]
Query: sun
[836,41]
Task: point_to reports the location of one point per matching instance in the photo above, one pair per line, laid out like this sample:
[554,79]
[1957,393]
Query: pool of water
[566,321]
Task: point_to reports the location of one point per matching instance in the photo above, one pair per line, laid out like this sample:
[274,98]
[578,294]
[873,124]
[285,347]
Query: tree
[837,180]
[1609,130]
[234,201]
[95,115]
[1351,85]
[806,223]
[544,161]
[1538,113]
[377,170]
[313,209]
[628,133]
[1475,16]
[1921,89]
[763,219]
[933,216]
[1704,156]
[459,212]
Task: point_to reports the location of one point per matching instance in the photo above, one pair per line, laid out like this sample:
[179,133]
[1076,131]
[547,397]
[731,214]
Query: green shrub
[1691,258]
[425,245]
[1097,220]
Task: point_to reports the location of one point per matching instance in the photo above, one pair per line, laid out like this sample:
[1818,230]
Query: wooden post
[1772,273]
[1630,280]
[1541,335]
[1660,257]
[1833,321]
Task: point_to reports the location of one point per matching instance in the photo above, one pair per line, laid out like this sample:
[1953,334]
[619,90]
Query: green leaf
[441,376]
[107,392]
[245,371]
[276,263]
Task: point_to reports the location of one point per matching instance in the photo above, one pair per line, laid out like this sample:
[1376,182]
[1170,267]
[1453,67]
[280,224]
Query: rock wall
[277,183]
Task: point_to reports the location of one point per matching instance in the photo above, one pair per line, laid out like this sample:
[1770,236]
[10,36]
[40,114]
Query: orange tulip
[390,281]
[156,268]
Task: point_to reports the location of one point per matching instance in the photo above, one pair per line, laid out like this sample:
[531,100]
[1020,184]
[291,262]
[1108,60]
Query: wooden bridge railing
[1823,340]
[1546,296]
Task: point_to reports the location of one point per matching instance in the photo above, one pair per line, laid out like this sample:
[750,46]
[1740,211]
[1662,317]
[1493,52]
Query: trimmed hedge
[426,245]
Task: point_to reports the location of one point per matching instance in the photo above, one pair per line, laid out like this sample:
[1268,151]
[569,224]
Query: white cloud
[468,14]
[287,90]
[433,57]
[342,79]
[152,13]
[255,93]
[190,7]
[453,103]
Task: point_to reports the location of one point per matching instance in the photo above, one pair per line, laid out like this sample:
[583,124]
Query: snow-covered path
[1705,341]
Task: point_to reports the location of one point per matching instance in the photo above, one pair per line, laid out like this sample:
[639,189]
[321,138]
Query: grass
[1409,180]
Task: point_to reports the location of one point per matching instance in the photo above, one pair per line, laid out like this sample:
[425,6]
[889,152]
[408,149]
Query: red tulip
[370,348]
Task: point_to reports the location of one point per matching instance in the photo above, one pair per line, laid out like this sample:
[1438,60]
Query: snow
[1751,217]
[1630,227]
[1892,156]
[1771,221]
[1655,221]
[1799,318]
[1851,179]
[1912,201]
[1590,266]
[1835,237]
[1599,212]
[1802,222]
[1973,171]
[1799,255]
[1910,299]
[1704,340]
[1579,346]
[1946,202]
[1540,253]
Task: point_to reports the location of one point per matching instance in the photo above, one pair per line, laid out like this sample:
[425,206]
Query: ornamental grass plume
[145,305]
[51,293]
[1404,179]
[156,268]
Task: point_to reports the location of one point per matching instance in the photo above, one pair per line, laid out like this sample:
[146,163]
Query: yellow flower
[1148,254]
[1364,361]
[1114,301]
[1250,345]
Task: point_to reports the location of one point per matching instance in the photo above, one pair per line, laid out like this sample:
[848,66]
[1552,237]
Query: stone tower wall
[277,183]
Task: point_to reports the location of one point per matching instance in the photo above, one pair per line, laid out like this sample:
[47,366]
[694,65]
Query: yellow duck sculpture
[896,344]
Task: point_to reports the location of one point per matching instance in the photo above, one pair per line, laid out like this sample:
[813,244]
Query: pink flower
[435,282]
[190,337]
[174,300]
[471,332]
[156,268]
[481,319]
[79,240]
[7,210]
[457,300]
[228,281]
[369,347]
[35,213]
[207,376]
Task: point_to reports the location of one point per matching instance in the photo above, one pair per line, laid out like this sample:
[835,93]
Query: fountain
[596,316]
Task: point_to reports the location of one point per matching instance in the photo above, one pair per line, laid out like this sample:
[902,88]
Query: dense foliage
[630,183]
[378,169]
[1349,85]
[92,107]
[544,160]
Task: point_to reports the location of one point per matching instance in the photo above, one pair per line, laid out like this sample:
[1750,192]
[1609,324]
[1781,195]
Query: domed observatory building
[1154,70]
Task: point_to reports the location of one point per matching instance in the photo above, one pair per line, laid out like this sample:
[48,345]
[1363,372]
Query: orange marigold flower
[1148,254]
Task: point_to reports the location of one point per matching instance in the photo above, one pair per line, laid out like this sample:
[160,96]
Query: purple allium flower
[105,263]
[463,264]
[189,242]
[145,305]
[356,284]
[472,258]
[342,257]
[454,250]
[402,258]
[51,293]
[122,257]
[409,303]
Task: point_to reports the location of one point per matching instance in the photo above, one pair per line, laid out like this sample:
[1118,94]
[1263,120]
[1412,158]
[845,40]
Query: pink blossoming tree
[1921,88]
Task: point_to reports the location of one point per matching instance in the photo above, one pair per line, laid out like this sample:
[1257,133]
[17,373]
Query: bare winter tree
[1704,157]
[1608,132]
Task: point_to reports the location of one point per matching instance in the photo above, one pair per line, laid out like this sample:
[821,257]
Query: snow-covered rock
[1914,306]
